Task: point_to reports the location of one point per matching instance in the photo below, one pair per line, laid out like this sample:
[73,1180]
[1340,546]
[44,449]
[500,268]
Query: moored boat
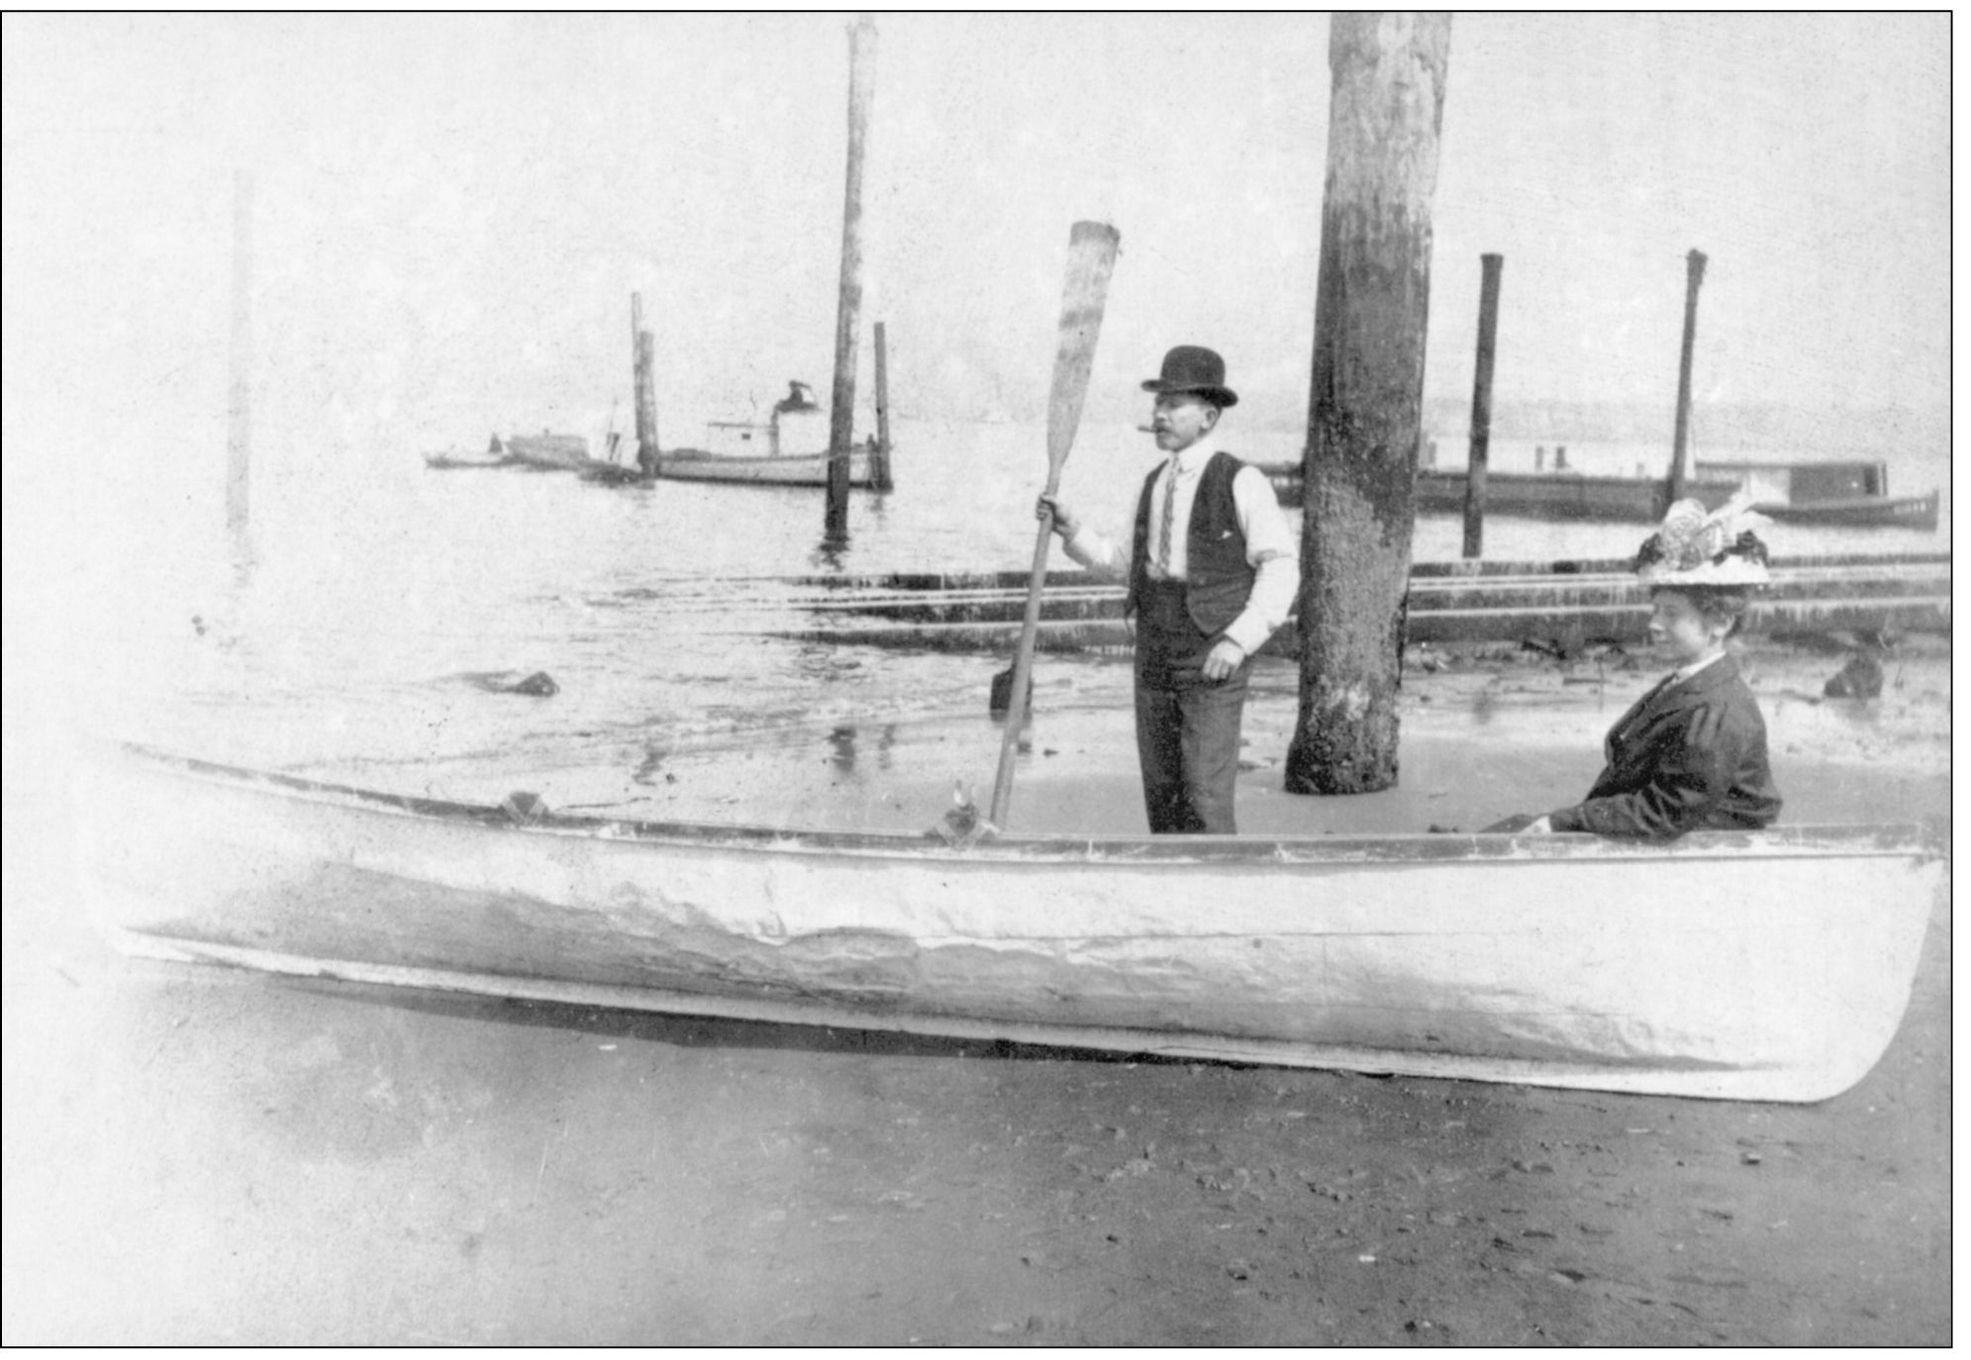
[698,465]
[541,452]
[1852,492]
[1534,495]
[754,453]
[494,455]
[1898,512]
[545,450]
[452,460]
[1767,966]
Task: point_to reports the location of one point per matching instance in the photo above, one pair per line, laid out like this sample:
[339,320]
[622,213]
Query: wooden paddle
[1091,258]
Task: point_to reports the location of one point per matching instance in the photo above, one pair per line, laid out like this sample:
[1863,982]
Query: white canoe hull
[1773,966]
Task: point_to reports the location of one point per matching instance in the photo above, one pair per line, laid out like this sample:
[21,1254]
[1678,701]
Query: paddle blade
[1091,259]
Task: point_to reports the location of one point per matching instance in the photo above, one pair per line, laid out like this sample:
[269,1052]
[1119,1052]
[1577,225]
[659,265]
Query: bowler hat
[1193,368]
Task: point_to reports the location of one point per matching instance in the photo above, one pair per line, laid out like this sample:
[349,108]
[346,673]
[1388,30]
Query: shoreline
[1487,731]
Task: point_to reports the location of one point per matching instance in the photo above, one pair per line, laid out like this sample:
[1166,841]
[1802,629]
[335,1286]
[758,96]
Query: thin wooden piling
[643,349]
[879,460]
[1491,267]
[1366,396]
[239,428]
[841,415]
[1694,279]
[647,452]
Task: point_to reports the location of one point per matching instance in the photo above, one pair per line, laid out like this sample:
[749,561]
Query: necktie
[1169,519]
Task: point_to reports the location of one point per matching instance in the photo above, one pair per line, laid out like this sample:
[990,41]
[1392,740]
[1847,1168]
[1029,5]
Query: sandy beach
[207,1156]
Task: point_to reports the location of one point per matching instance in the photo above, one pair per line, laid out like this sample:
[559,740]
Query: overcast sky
[451,212]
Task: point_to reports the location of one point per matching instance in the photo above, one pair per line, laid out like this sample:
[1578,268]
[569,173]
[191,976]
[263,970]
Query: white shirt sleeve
[1096,551]
[1270,550]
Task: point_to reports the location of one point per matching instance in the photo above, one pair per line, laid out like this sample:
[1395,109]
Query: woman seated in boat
[1691,754]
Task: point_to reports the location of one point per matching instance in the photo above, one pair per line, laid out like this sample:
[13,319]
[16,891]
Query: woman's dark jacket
[1690,756]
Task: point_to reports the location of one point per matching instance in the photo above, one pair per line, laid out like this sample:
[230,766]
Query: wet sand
[207,1156]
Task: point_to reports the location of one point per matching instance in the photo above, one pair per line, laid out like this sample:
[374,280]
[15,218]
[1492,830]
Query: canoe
[1767,966]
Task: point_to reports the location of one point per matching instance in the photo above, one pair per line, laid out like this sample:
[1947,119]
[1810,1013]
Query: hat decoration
[1696,548]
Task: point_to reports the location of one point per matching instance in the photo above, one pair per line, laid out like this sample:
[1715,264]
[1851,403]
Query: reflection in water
[652,765]
[830,551]
[842,744]
[842,739]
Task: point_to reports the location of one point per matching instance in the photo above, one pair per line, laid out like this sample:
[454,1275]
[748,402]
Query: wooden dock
[1572,602]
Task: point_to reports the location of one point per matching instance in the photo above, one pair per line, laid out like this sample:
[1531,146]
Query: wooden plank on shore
[1606,621]
[1441,594]
[985,580]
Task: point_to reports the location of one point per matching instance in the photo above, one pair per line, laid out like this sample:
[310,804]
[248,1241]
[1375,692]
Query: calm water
[381,587]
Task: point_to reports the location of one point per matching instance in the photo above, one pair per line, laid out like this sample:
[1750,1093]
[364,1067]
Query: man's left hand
[1225,658]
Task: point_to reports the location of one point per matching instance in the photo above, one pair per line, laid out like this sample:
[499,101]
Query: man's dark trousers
[1187,727]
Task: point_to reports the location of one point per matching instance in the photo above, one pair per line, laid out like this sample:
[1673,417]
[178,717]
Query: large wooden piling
[848,312]
[1694,279]
[879,460]
[643,349]
[239,424]
[1366,403]
[1481,403]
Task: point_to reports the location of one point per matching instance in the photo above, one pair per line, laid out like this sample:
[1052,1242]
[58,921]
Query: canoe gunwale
[1923,840]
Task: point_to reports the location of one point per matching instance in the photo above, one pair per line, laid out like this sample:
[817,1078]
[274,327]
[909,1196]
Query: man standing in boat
[800,397]
[1212,573]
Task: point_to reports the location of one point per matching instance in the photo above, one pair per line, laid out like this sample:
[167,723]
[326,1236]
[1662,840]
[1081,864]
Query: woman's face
[1678,626]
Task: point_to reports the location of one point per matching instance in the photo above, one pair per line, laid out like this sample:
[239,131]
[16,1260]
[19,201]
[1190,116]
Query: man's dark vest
[1217,578]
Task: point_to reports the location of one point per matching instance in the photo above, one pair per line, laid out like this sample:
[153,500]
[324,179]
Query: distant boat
[551,452]
[696,465]
[754,453]
[1535,495]
[608,471]
[1852,492]
[545,450]
[611,474]
[445,462]
[494,455]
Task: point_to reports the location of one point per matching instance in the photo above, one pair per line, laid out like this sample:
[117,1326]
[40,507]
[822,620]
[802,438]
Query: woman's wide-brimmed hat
[1193,368]
[1699,548]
